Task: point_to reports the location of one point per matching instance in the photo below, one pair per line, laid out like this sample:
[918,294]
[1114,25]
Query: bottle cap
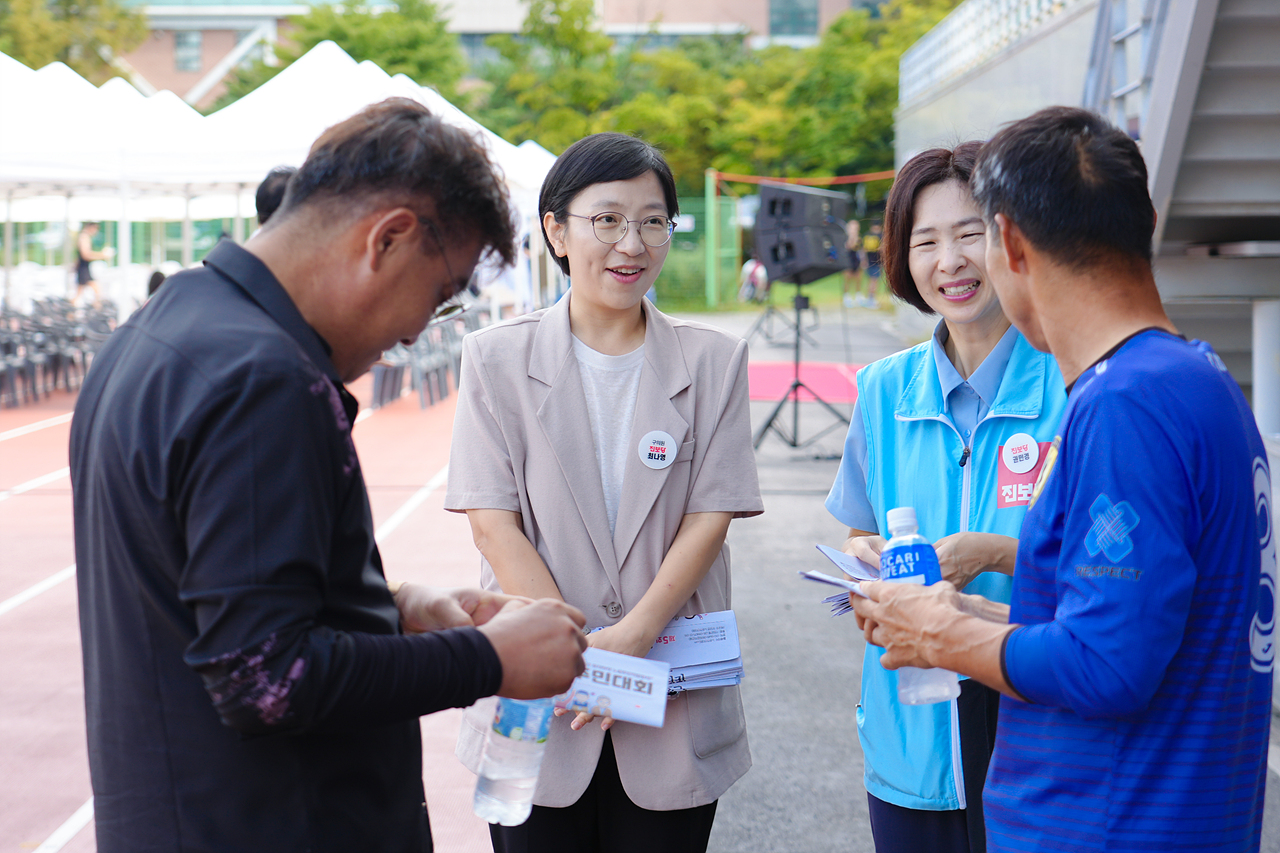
[901,517]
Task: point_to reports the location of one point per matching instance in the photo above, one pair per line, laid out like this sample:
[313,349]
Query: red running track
[44,775]
[769,380]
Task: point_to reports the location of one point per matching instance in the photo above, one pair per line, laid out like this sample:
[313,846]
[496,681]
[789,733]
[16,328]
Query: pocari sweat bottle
[512,755]
[909,558]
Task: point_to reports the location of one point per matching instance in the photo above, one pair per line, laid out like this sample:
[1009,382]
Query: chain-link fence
[683,283]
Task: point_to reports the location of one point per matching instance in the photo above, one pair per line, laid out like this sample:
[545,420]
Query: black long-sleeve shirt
[247,686]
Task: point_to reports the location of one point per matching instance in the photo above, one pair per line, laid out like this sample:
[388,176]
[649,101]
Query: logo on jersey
[1262,629]
[1111,527]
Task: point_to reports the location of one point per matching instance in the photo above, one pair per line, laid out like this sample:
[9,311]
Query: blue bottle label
[910,564]
[521,720]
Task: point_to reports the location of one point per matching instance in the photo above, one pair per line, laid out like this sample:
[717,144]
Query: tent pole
[124,243]
[237,229]
[67,244]
[188,255]
[8,248]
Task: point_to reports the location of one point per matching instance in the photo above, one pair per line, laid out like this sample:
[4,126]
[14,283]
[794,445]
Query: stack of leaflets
[851,566]
[702,650]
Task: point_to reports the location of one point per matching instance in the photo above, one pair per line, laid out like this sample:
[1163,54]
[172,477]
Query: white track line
[34,484]
[35,427]
[407,508]
[34,590]
[1273,758]
[55,579]
[68,830]
[62,419]
[848,374]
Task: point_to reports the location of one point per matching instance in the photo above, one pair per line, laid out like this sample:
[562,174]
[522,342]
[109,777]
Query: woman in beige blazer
[550,460]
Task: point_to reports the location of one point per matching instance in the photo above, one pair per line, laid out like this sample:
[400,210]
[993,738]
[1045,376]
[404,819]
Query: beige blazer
[522,442]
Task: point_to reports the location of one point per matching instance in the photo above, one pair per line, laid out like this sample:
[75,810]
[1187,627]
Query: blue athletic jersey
[1145,588]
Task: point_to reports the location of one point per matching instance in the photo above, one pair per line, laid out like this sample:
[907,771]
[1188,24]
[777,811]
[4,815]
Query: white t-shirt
[611,384]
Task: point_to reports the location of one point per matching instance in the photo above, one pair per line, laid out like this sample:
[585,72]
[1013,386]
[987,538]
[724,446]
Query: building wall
[484,16]
[155,60]
[495,16]
[1046,68]
[752,15]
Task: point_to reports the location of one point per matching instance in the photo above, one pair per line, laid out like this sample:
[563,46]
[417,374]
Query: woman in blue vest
[956,427]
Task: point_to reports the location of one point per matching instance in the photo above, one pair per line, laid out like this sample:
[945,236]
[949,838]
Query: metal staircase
[1197,82]
[1118,83]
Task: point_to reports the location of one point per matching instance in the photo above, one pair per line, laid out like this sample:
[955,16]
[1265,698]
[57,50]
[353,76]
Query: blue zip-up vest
[912,753]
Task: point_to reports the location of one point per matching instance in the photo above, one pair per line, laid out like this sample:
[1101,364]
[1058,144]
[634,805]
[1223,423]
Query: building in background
[194,44]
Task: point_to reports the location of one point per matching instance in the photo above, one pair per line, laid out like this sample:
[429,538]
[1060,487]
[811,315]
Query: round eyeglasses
[611,227]
[461,298]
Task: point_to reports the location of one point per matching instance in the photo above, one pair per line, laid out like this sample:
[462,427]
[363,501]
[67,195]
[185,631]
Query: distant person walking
[871,257]
[754,280]
[853,273]
[85,254]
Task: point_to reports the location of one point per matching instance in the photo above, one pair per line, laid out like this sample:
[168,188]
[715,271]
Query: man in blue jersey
[1135,659]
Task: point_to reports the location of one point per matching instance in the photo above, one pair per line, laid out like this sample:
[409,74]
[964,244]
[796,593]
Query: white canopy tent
[73,152]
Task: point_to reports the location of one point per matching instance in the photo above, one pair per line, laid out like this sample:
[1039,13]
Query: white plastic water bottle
[909,558]
[512,755]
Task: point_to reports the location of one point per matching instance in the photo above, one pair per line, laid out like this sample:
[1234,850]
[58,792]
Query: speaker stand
[764,327]
[792,394]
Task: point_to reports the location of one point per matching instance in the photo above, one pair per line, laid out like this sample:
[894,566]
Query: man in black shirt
[251,683]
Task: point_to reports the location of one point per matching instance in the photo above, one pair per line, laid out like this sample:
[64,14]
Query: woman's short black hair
[600,159]
[935,166]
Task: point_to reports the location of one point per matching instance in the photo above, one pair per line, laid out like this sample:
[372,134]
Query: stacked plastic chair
[50,347]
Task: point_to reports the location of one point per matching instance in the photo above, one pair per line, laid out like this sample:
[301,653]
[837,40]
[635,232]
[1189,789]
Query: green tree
[410,38]
[85,34]
[824,110]
[552,78]
[850,85]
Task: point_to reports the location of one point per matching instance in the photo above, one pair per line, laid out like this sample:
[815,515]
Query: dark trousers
[604,820]
[900,830]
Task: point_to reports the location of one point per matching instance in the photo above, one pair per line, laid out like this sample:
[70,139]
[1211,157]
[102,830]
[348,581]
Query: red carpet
[769,380]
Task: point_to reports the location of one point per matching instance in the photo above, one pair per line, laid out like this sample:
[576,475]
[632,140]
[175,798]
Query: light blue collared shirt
[965,403]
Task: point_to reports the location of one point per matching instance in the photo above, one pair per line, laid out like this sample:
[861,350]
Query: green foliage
[84,34]
[552,78]
[825,110]
[850,85]
[410,38]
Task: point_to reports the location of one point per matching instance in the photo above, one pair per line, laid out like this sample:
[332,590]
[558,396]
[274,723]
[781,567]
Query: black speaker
[800,232]
[802,255]
[788,206]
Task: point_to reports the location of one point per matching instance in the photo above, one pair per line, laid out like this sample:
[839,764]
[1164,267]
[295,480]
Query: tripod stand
[793,394]
[764,324]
